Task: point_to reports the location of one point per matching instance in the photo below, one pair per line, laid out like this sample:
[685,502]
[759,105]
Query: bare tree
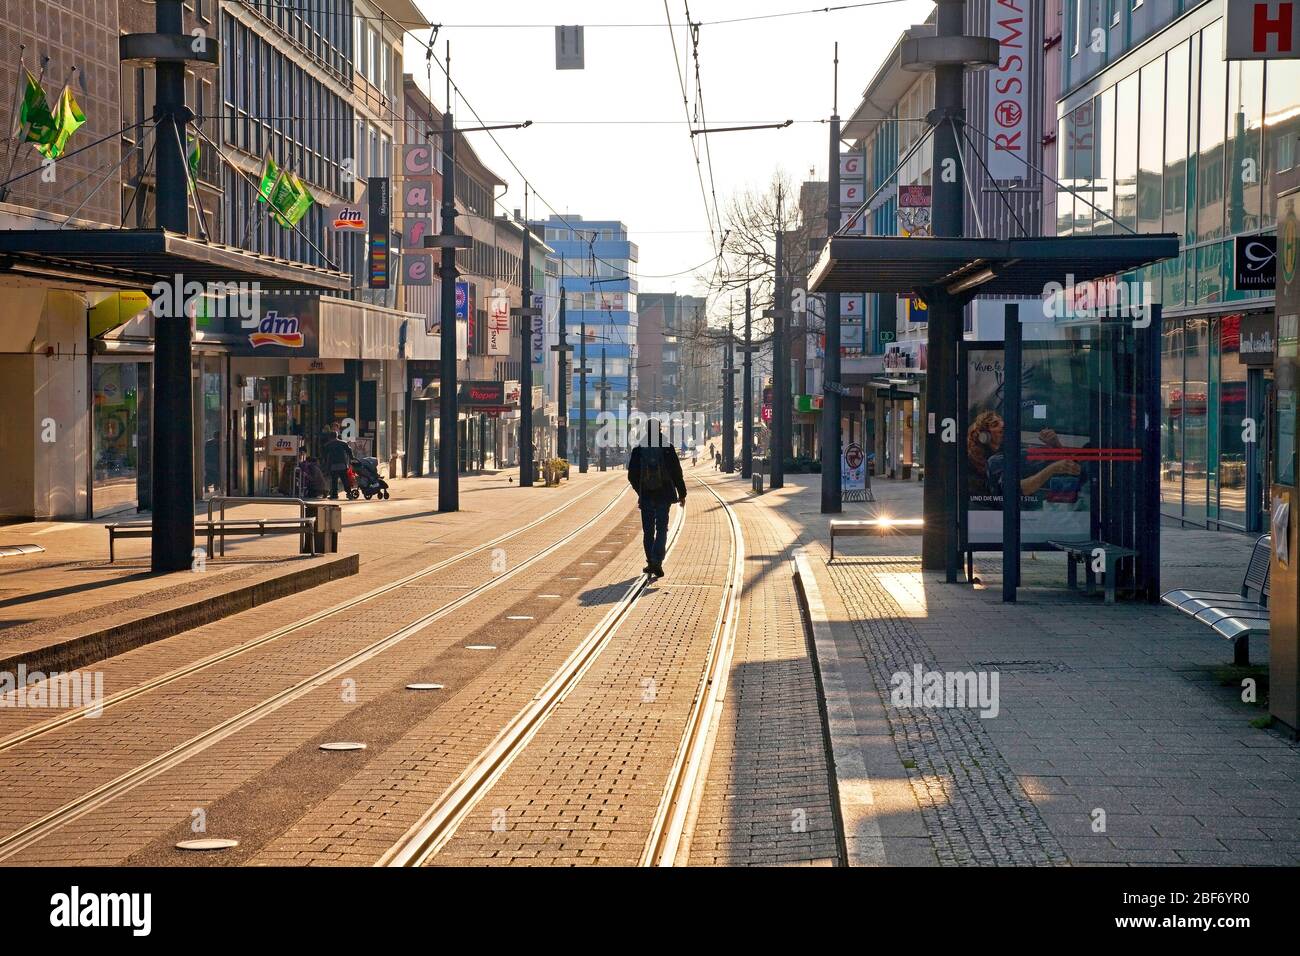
[751,219]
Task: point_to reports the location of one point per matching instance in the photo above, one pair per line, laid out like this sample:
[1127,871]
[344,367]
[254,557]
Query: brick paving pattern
[1126,709]
[767,797]
[585,790]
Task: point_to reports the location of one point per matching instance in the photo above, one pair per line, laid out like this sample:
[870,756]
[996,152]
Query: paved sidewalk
[767,796]
[1120,735]
[70,592]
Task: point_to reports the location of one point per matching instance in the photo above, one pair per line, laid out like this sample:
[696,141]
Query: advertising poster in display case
[1056,478]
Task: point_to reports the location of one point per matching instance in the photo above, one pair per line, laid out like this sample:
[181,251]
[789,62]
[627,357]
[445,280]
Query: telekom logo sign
[1262,30]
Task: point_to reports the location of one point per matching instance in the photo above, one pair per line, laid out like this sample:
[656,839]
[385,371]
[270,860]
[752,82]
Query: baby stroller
[368,480]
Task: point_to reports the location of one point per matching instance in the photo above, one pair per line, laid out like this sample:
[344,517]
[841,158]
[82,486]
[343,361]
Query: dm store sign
[287,326]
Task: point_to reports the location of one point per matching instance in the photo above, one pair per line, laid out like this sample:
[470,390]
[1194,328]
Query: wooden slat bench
[212,528]
[1234,615]
[1086,552]
[870,527]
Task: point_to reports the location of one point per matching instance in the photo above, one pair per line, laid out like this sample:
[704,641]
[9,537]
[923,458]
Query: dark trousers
[338,478]
[654,525]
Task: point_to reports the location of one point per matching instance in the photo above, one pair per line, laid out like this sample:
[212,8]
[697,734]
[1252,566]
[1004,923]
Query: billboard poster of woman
[1055,488]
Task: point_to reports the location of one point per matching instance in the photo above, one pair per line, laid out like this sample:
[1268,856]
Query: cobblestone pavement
[1120,738]
[393,539]
[48,771]
[767,798]
[585,790]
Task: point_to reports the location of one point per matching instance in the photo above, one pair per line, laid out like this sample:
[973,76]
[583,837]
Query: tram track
[33,832]
[441,821]
[195,667]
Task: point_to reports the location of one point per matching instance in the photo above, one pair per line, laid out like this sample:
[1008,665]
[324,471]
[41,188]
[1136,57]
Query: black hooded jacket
[674,486]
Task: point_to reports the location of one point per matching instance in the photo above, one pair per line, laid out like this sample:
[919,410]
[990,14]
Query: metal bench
[212,529]
[1086,552]
[1234,615]
[868,527]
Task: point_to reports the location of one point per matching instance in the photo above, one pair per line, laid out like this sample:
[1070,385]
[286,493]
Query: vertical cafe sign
[417,223]
[377,262]
[1007,123]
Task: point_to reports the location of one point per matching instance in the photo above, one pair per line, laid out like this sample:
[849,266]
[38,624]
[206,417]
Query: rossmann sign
[1262,30]
[1008,115]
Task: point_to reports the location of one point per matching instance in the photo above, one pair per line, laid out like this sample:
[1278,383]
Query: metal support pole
[831,387]
[939,541]
[1011,455]
[526,365]
[448,397]
[173,413]
[604,390]
[582,399]
[747,400]
[780,369]
[729,406]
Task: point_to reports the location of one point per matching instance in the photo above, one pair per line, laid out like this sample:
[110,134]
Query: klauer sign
[1262,30]
[1008,119]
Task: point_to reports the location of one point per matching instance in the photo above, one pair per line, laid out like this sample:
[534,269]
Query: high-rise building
[597,273]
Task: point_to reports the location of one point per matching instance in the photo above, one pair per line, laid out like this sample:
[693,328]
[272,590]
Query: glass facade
[1183,142]
[1205,401]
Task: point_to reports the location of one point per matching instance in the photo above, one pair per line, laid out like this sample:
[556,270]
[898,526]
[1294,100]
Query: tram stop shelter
[1066,407]
[150,260]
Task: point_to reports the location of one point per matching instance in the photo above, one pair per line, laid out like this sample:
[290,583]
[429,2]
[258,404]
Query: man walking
[655,472]
[337,456]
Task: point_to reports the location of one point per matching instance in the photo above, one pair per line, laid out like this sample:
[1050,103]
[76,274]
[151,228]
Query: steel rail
[675,814]
[37,830]
[315,617]
[440,822]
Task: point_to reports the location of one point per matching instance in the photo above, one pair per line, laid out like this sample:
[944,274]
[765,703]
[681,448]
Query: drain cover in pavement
[343,745]
[13,550]
[424,687]
[207,844]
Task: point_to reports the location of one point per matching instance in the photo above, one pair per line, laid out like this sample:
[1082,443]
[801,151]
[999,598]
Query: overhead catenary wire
[424,25]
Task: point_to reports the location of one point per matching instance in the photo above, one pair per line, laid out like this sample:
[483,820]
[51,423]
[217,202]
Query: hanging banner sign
[538,341]
[377,266]
[1007,123]
[498,326]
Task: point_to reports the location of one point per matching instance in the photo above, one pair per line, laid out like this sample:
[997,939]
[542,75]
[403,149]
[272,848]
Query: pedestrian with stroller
[655,473]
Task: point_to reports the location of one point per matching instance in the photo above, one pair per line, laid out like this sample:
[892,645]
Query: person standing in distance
[655,473]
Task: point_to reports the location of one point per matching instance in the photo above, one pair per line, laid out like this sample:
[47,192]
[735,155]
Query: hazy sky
[645,174]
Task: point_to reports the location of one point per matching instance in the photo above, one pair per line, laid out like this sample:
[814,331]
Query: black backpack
[652,469]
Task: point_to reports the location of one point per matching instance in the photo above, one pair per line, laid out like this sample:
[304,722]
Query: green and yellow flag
[68,118]
[34,115]
[270,174]
[290,199]
[194,156]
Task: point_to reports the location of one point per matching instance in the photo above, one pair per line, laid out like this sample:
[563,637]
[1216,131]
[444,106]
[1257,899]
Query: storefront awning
[962,266]
[140,258]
